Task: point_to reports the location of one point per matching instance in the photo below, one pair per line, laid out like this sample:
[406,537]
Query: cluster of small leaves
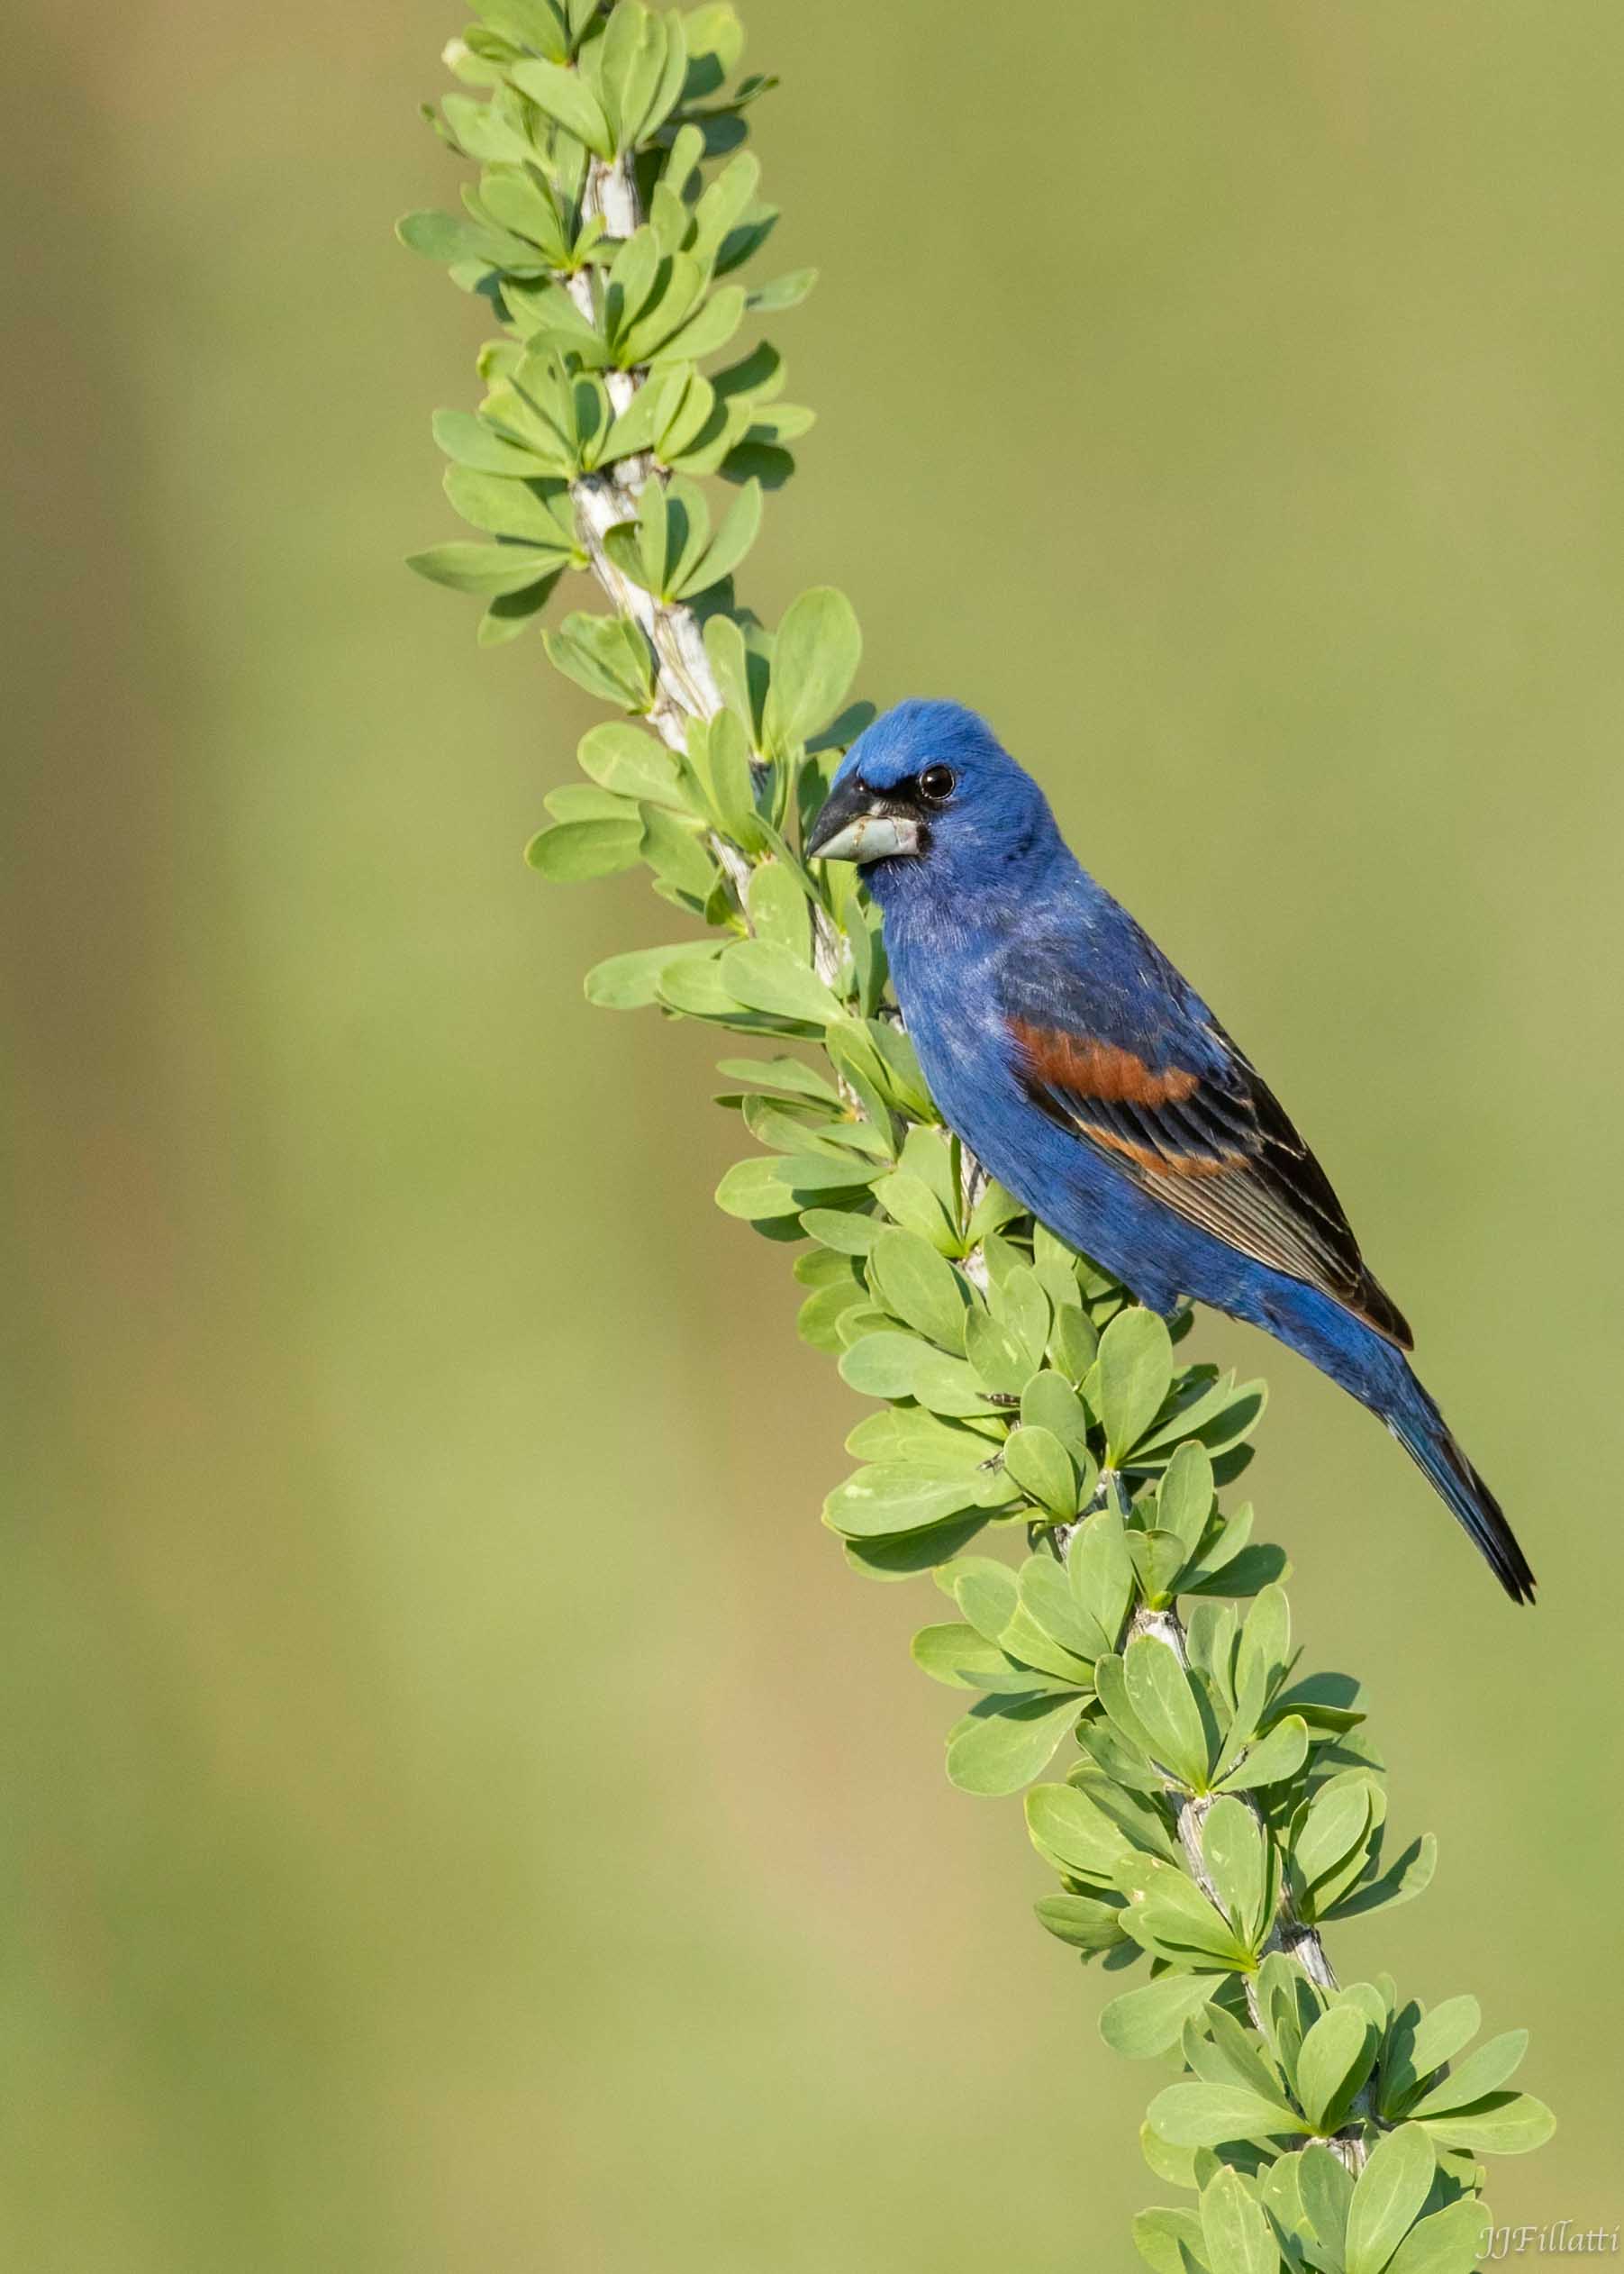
[565,86]
[1251,2132]
[1219,1806]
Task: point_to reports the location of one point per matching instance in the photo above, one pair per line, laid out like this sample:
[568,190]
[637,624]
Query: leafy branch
[1217,1808]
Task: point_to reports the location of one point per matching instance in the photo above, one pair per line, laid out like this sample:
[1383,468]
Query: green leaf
[730,660]
[1100,1574]
[1502,2124]
[448,238]
[1169,2242]
[905,1434]
[1209,1572]
[509,614]
[581,801]
[468,440]
[996,1354]
[553,328]
[955,1654]
[1337,1822]
[1169,1915]
[719,757]
[1164,1704]
[1049,1601]
[1221,2052]
[705,332]
[715,43]
[731,543]
[1086,1923]
[1325,1701]
[1237,1858]
[890,1365]
[1266,1645]
[1208,2116]
[814,662]
[1326,2187]
[1150,2020]
[622,758]
[1047,1401]
[1002,1744]
[1450,2241]
[1075,1836]
[885,1499]
[572,852]
[921,1286]
[1125,1802]
[630,982]
[1028,1640]
[767,1187]
[1158,1557]
[676,854]
[1482,2071]
[1018,1304]
[906,1085]
[725,203]
[505,507]
[1041,1466]
[1273,1760]
[1288,2005]
[640,64]
[820,1318]
[1335,2060]
[1135,1367]
[528,24]
[783,292]
[1175,2165]
[770,977]
[1221,1417]
[512,195]
[1110,1680]
[1388,2197]
[995,1208]
[1433,2039]
[485,569]
[567,100]
[852,1234]
[911,1552]
[1072,1344]
[1235,2229]
[1184,1498]
[986,1593]
[605,655]
[694,989]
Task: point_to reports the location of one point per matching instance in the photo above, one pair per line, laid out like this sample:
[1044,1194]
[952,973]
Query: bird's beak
[857,823]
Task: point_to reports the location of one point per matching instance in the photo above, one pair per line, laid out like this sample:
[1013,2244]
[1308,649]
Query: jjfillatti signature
[1561,2239]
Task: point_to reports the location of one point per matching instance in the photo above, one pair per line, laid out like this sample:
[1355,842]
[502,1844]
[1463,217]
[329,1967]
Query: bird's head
[928,797]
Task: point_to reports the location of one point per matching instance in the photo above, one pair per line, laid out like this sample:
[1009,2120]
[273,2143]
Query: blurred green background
[460,1813]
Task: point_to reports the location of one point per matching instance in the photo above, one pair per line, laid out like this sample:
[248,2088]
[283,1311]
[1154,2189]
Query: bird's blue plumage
[1090,1078]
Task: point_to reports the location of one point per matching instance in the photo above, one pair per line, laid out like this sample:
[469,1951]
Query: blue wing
[1117,1049]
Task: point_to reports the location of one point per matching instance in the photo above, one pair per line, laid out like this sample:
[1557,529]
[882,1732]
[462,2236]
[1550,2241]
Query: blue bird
[1092,1080]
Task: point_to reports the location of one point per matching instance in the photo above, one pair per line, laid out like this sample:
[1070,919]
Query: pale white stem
[686,685]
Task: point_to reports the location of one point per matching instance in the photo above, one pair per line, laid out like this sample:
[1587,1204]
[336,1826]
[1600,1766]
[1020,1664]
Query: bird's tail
[1423,1433]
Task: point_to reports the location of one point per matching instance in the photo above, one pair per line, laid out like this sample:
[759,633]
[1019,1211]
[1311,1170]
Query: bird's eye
[937,783]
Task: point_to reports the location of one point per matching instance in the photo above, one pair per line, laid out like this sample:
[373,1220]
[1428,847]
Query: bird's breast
[950,1006]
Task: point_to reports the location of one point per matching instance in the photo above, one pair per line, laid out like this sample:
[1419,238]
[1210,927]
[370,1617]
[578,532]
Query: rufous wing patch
[1088,1067]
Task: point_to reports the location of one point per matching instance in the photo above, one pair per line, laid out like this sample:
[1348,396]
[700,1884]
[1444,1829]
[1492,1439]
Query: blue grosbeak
[1087,1075]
